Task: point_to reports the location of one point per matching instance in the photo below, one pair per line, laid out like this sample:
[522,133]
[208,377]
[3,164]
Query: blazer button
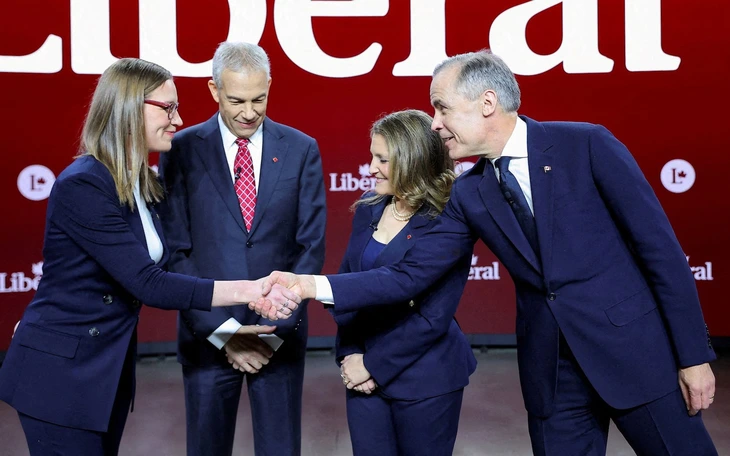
[249,244]
[552,296]
[136,303]
[108,299]
[93,332]
[411,303]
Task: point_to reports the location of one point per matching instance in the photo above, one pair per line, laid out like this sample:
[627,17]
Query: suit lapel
[399,245]
[502,214]
[540,163]
[273,160]
[211,153]
[160,233]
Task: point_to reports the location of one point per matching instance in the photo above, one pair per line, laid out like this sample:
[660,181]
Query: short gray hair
[480,71]
[239,57]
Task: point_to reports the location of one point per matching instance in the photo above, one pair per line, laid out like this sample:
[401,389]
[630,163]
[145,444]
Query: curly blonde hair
[421,171]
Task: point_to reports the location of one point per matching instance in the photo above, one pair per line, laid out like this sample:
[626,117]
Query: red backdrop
[653,72]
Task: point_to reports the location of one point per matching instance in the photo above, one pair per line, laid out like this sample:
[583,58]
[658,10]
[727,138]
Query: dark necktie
[516,198]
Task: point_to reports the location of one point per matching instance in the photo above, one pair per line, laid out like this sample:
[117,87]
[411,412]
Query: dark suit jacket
[65,361]
[415,350]
[612,276]
[205,229]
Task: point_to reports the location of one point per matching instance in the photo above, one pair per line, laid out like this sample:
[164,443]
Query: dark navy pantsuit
[208,238]
[416,353]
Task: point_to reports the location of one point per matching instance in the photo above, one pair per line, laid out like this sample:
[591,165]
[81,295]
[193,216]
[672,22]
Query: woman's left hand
[353,371]
[367,388]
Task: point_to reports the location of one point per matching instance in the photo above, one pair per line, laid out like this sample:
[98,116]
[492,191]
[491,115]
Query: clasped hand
[275,288]
[355,375]
[278,299]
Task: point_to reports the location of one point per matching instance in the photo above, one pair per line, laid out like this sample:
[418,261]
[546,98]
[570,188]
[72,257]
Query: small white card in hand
[272,340]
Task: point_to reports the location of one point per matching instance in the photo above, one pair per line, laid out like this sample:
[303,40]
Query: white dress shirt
[255,146]
[154,244]
[516,147]
[224,332]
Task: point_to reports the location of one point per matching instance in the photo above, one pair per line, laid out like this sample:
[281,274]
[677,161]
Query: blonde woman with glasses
[69,371]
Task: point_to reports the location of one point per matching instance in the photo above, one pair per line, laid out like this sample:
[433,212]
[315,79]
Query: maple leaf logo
[681,174]
[364,170]
[474,260]
[37,269]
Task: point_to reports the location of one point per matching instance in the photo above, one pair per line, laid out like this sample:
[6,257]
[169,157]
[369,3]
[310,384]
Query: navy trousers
[212,394]
[382,426]
[579,425]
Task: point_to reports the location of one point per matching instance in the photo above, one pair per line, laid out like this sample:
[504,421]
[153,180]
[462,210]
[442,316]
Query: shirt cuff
[324,290]
[224,332]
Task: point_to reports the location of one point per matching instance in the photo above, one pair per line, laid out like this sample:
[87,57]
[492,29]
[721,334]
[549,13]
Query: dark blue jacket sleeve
[87,208]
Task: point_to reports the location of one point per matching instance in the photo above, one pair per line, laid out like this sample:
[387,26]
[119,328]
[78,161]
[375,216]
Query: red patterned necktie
[244,183]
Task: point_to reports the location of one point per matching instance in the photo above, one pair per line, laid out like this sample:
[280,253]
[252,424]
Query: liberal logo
[18,282]
[345,182]
[35,182]
[678,176]
[477,272]
[703,272]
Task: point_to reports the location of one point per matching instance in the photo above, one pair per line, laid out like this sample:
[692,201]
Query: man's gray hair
[239,57]
[481,71]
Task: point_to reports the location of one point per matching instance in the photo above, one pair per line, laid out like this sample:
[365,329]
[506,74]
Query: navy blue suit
[415,352]
[71,361]
[610,275]
[208,238]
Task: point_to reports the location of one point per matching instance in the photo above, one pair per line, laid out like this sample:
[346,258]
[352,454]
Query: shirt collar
[516,145]
[229,139]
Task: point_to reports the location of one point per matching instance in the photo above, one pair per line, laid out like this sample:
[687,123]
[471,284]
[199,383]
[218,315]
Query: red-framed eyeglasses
[170,108]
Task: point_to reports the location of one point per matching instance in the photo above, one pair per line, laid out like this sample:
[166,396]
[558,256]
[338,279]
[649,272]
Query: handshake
[281,293]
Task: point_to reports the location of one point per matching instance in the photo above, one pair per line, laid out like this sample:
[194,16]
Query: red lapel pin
[274,159]
[408,237]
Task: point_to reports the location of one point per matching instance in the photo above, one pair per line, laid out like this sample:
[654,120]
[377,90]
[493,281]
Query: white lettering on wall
[158,33]
[293,23]
[428,39]
[90,36]
[644,37]
[578,51]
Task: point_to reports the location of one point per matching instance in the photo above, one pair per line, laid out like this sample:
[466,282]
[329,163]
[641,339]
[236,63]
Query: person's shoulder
[570,128]
[85,166]
[85,172]
[285,132]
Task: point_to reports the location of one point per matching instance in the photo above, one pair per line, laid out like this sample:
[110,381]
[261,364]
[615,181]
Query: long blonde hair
[114,130]
[421,171]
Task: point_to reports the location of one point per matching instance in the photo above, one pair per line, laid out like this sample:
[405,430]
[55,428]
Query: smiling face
[380,165]
[159,128]
[242,100]
[460,122]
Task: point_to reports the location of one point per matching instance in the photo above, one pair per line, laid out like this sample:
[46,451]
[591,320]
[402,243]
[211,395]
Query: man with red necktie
[245,197]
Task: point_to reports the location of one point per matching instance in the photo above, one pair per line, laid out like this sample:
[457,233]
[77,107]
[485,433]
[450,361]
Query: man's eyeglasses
[170,108]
